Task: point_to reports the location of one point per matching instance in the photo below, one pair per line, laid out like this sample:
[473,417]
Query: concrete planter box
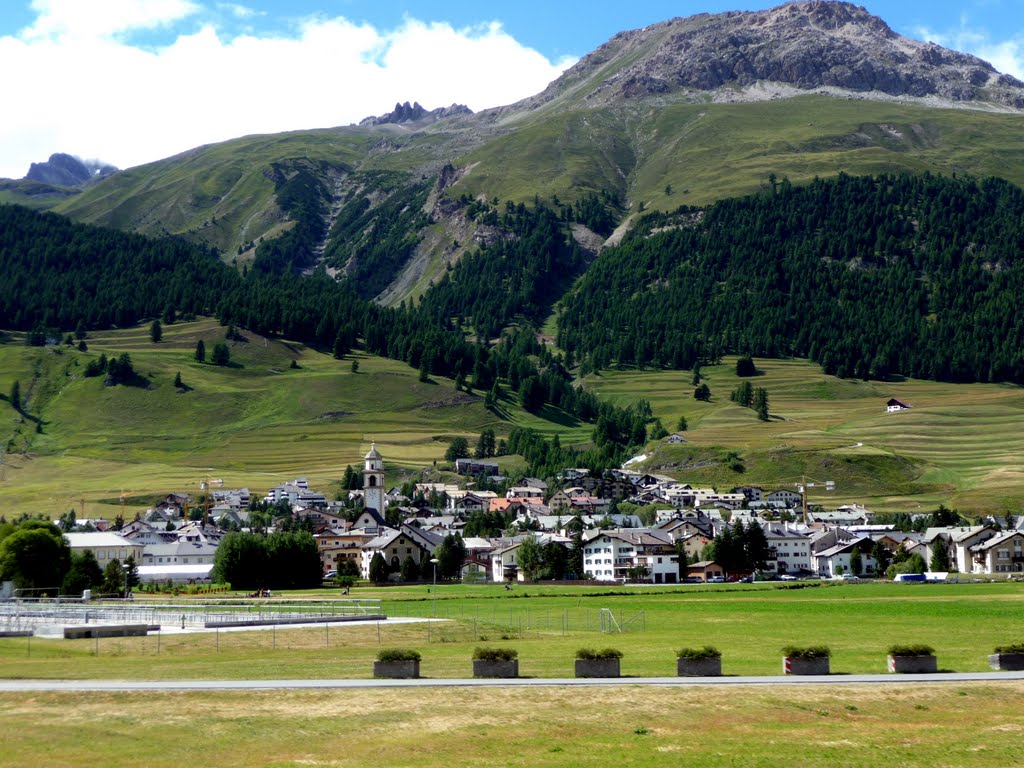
[699,667]
[597,667]
[482,668]
[396,669]
[792,665]
[1007,662]
[913,664]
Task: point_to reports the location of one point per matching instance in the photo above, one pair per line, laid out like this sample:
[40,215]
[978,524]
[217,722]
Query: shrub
[911,650]
[495,654]
[807,652]
[707,652]
[397,654]
[604,653]
[1012,648]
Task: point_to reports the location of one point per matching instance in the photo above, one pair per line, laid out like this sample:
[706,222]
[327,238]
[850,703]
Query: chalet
[751,492]
[397,545]
[675,439]
[336,546]
[893,405]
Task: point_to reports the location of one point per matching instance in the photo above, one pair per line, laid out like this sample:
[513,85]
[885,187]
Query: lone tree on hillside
[221,354]
[200,351]
[745,366]
[156,332]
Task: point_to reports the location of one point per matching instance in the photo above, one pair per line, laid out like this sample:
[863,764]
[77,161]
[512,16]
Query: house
[338,545]
[619,555]
[675,439]
[397,545]
[105,546]
[893,405]
[960,542]
[1003,553]
[705,570]
[835,561]
[180,553]
[475,467]
[790,549]
[789,498]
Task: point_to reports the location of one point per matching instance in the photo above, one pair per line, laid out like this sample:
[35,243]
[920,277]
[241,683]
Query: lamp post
[126,568]
[435,561]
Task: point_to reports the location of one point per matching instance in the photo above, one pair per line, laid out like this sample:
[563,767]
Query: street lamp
[126,568]
[435,561]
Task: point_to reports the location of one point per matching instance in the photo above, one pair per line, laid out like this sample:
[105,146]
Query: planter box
[597,667]
[396,669]
[699,667]
[1007,662]
[795,666]
[913,664]
[482,668]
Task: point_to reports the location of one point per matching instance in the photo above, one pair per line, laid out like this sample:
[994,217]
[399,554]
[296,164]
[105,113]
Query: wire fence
[20,615]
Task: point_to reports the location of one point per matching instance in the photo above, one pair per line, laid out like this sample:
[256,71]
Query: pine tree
[200,351]
[156,332]
[177,380]
[761,403]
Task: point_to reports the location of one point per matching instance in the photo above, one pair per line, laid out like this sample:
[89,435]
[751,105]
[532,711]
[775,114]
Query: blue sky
[130,81]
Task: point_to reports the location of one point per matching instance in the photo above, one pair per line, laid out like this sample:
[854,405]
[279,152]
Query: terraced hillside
[960,444]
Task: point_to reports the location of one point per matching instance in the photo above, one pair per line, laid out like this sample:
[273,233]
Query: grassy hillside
[260,422]
[257,423]
[707,152]
[961,444]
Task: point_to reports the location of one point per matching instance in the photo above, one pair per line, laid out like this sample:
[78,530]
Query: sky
[132,81]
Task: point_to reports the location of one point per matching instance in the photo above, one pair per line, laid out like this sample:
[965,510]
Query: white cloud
[84,91]
[1005,55]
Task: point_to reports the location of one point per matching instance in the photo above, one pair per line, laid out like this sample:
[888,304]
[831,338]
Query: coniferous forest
[911,275]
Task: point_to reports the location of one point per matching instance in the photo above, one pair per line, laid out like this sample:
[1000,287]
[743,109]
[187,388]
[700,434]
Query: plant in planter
[806,660]
[397,663]
[699,662]
[912,658]
[1008,658]
[603,663]
[495,662]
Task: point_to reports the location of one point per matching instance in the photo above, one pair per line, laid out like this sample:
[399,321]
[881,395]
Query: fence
[20,615]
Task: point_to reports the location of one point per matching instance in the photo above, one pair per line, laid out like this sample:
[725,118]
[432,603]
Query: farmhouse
[893,405]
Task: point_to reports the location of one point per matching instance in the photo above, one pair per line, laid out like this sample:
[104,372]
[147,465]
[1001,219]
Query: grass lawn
[928,726]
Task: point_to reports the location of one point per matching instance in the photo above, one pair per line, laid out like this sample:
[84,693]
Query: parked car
[787,577]
[849,577]
[716,580]
[330,574]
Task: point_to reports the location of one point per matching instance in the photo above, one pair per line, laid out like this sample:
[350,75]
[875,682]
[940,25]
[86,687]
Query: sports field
[919,725]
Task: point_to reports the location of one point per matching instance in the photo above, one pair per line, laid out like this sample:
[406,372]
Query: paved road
[8,686]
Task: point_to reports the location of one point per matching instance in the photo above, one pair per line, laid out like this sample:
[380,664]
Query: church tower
[373,480]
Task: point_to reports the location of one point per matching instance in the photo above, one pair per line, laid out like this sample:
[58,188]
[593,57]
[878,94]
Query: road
[19,686]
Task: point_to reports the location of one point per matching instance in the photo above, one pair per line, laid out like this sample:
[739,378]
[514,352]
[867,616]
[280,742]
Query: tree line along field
[260,422]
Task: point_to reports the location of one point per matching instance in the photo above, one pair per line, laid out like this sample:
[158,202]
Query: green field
[748,624]
[975,724]
[260,423]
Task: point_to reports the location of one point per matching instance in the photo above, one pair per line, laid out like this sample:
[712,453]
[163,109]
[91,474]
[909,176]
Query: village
[685,534]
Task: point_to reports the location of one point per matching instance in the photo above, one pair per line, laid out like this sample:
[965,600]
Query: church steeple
[373,480]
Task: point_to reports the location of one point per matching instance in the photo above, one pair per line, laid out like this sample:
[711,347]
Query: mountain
[406,113]
[68,171]
[801,46]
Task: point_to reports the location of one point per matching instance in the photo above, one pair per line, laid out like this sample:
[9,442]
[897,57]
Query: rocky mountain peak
[410,113]
[799,46]
[64,170]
